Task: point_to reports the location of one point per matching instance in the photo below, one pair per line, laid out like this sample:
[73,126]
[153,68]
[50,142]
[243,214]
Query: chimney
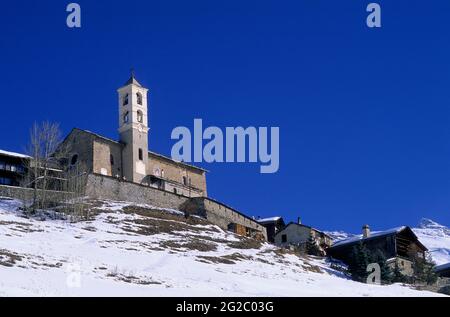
[299,220]
[366,231]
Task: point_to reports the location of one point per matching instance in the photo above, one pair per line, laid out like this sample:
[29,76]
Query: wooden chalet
[400,246]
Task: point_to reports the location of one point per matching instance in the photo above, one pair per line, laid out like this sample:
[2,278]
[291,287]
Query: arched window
[139,98]
[74,159]
[141,155]
[111,159]
[125,100]
[140,116]
[126,117]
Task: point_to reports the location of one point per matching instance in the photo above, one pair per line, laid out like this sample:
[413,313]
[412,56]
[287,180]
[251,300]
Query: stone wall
[103,152]
[103,187]
[166,168]
[27,193]
[80,143]
[223,215]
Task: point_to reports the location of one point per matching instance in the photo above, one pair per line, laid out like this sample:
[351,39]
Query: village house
[12,168]
[273,226]
[15,167]
[298,235]
[399,245]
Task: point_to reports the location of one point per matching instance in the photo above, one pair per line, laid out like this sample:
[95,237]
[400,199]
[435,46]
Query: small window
[175,191]
[126,117]
[139,98]
[140,117]
[283,238]
[74,159]
[2,165]
[111,159]
[141,155]
[162,173]
[125,100]
[184,180]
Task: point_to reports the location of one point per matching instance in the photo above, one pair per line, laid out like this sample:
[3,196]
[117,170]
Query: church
[125,169]
[129,158]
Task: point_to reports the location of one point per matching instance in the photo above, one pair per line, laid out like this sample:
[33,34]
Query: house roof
[304,226]
[271,219]
[375,235]
[13,154]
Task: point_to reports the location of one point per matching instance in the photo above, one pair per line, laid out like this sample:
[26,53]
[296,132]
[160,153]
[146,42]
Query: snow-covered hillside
[436,238]
[138,250]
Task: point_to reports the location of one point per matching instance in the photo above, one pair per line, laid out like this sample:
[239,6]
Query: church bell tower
[133,129]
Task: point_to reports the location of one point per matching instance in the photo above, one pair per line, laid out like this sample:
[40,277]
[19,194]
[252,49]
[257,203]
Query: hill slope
[138,250]
[436,238]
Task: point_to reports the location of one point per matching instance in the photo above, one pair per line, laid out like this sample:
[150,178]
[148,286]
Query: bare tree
[45,138]
[74,187]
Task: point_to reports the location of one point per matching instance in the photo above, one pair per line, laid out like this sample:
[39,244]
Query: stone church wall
[103,187]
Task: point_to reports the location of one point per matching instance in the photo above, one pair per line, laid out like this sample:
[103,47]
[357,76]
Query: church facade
[129,158]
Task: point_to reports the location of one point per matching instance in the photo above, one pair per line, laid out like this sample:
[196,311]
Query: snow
[108,256]
[13,154]
[436,238]
[372,235]
[271,219]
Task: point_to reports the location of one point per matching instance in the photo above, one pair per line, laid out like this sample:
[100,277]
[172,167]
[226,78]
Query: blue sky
[363,113]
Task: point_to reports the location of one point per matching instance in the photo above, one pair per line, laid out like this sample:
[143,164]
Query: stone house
[298,235]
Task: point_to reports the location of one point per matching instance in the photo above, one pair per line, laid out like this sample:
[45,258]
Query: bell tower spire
[133,129]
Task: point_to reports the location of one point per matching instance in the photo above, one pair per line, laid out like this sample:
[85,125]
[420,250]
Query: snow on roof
[372,235]
[13,154]
[271,219]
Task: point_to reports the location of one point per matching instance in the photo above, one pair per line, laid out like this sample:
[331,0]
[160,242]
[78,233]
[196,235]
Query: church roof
[133,81]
